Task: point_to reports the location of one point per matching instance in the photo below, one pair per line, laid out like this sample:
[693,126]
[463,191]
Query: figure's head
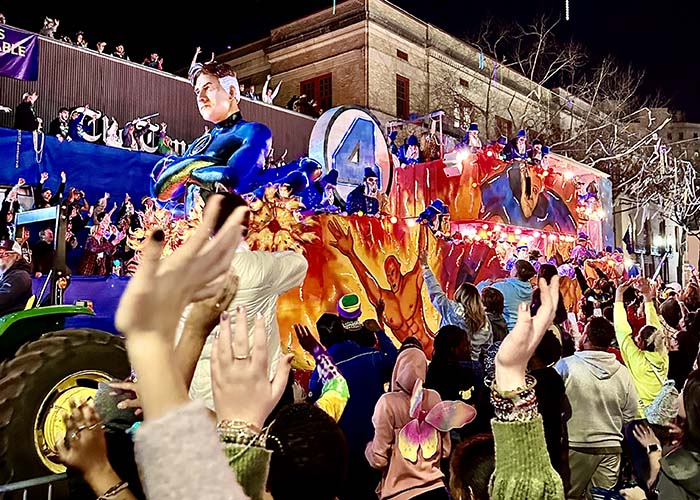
[30,97]
[392,268]
[269,92]
[451,345]
[493,300]
[63,114]
[308,448]
[120,48]
[10,252]
[46,235]
[23,233]
[471,467]
[651,339]
[154,56]
[251,89]
[101,46]
[671,312]
[46,194]
[547,352]
[216,88]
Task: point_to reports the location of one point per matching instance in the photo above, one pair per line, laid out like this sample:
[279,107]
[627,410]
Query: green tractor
[44,365]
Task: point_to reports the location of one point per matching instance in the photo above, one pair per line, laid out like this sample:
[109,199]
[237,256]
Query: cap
[522,133]
[349,306]
[10,246]
[502,140]
[473,127]
[369,172]
[412,140]
[330,178]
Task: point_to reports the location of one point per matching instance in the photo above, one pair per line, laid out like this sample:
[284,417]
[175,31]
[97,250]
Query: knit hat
[349,306]
[473,127]
[11,246]
[521,133]
[502,140]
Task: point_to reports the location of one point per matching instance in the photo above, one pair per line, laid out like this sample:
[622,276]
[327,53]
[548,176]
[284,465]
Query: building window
[320,89]
[670,136]
[462,114]
[464,83]
[402,55]
[680,136]
[504,126]
[695,135]
[402,96]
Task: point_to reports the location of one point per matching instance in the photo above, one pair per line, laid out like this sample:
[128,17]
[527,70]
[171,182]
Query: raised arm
[623,330]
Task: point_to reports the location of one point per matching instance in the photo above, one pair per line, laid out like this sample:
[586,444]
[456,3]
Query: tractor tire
[35,388]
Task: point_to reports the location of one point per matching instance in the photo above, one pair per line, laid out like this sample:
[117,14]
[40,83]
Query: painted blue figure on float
[230,157]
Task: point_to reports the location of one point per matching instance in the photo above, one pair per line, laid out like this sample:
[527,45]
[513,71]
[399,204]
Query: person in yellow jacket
[647,362]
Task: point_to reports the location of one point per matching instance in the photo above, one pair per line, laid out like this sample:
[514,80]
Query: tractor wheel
[35,391]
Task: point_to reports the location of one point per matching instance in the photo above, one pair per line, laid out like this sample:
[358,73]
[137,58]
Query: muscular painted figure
[403,299]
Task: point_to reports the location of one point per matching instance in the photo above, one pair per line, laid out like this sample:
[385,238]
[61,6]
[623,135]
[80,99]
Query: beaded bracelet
[113,491]
[241,432]
[519,405]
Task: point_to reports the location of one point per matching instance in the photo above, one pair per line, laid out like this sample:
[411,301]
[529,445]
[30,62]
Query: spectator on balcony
[120,53]
[44,198]
[251,93]
[2,18]
[25,116]
[50,27]
[59,126]
[154,61]
[268,95]
[43,253]
[80,40]
[101,47]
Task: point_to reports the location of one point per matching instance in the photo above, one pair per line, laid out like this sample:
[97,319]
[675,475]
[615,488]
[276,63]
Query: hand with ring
[84,446]
[239,370]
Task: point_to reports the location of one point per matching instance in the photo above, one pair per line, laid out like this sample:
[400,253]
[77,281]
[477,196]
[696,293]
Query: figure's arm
[276,91]
[255,147]
[267,82]
[58,196]
[623,331]
[369,283]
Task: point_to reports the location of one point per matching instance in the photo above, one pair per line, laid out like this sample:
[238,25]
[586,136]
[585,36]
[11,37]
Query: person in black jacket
[16,283]
[44,198]
[25,116]
[59,126]
[10,206]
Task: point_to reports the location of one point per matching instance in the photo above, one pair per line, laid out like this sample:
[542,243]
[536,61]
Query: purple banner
[19,54]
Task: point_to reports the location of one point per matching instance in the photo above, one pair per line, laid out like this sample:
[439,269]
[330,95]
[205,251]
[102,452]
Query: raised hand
[44,177]
[239,371]
[343,241]
[20,182]
[519,345]
[134,402]
[306,339]
[84,446]
[156,296]
[204,313]
[63,177]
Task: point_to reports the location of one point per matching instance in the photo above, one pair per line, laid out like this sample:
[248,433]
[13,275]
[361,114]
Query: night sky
[659,38]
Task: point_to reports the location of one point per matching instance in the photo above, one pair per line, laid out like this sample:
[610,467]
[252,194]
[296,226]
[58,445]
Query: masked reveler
[364,198]
[229,157]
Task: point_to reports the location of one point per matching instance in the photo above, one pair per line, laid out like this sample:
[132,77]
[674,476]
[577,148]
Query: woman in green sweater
[523,470]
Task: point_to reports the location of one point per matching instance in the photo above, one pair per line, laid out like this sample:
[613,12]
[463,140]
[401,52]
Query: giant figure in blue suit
[229,157]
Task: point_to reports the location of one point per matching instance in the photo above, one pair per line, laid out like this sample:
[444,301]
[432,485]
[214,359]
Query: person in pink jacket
[410,464]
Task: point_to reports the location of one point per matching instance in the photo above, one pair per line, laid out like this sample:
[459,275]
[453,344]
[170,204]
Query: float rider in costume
[364,198]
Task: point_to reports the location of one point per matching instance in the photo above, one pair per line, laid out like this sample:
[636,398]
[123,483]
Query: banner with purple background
[19,54]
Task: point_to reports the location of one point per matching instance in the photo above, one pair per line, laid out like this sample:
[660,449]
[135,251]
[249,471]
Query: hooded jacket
[649,369]
[679,478]
[401,479]
[602,397]
[15,287]
[514,293]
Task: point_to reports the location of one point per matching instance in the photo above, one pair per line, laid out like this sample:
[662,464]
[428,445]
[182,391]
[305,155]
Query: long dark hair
[447,340]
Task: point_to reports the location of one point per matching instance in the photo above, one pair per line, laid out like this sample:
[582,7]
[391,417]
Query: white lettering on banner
[95,126]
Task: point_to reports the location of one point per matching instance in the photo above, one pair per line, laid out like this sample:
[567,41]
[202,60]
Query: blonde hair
[474,312]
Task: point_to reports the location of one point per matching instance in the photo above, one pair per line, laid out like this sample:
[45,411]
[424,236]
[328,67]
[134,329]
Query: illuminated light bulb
[360,213]
[552,236]
[475,185]
[477,237]
[497,228]
[536,234]
[545,173]
[489,153]
[393,219]
[411,222]
[485,226]
[490,233]
[518,231]
[568,175]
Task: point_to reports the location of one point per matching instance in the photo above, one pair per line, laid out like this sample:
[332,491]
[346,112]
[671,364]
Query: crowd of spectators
[96,234]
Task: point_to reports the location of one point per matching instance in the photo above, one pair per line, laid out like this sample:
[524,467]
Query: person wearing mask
[15,283]
[603,398]
[516,289]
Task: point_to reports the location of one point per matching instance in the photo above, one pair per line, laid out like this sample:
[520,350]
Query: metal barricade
[29,489]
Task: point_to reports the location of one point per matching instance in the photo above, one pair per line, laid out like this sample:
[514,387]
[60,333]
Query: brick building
[376,55]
